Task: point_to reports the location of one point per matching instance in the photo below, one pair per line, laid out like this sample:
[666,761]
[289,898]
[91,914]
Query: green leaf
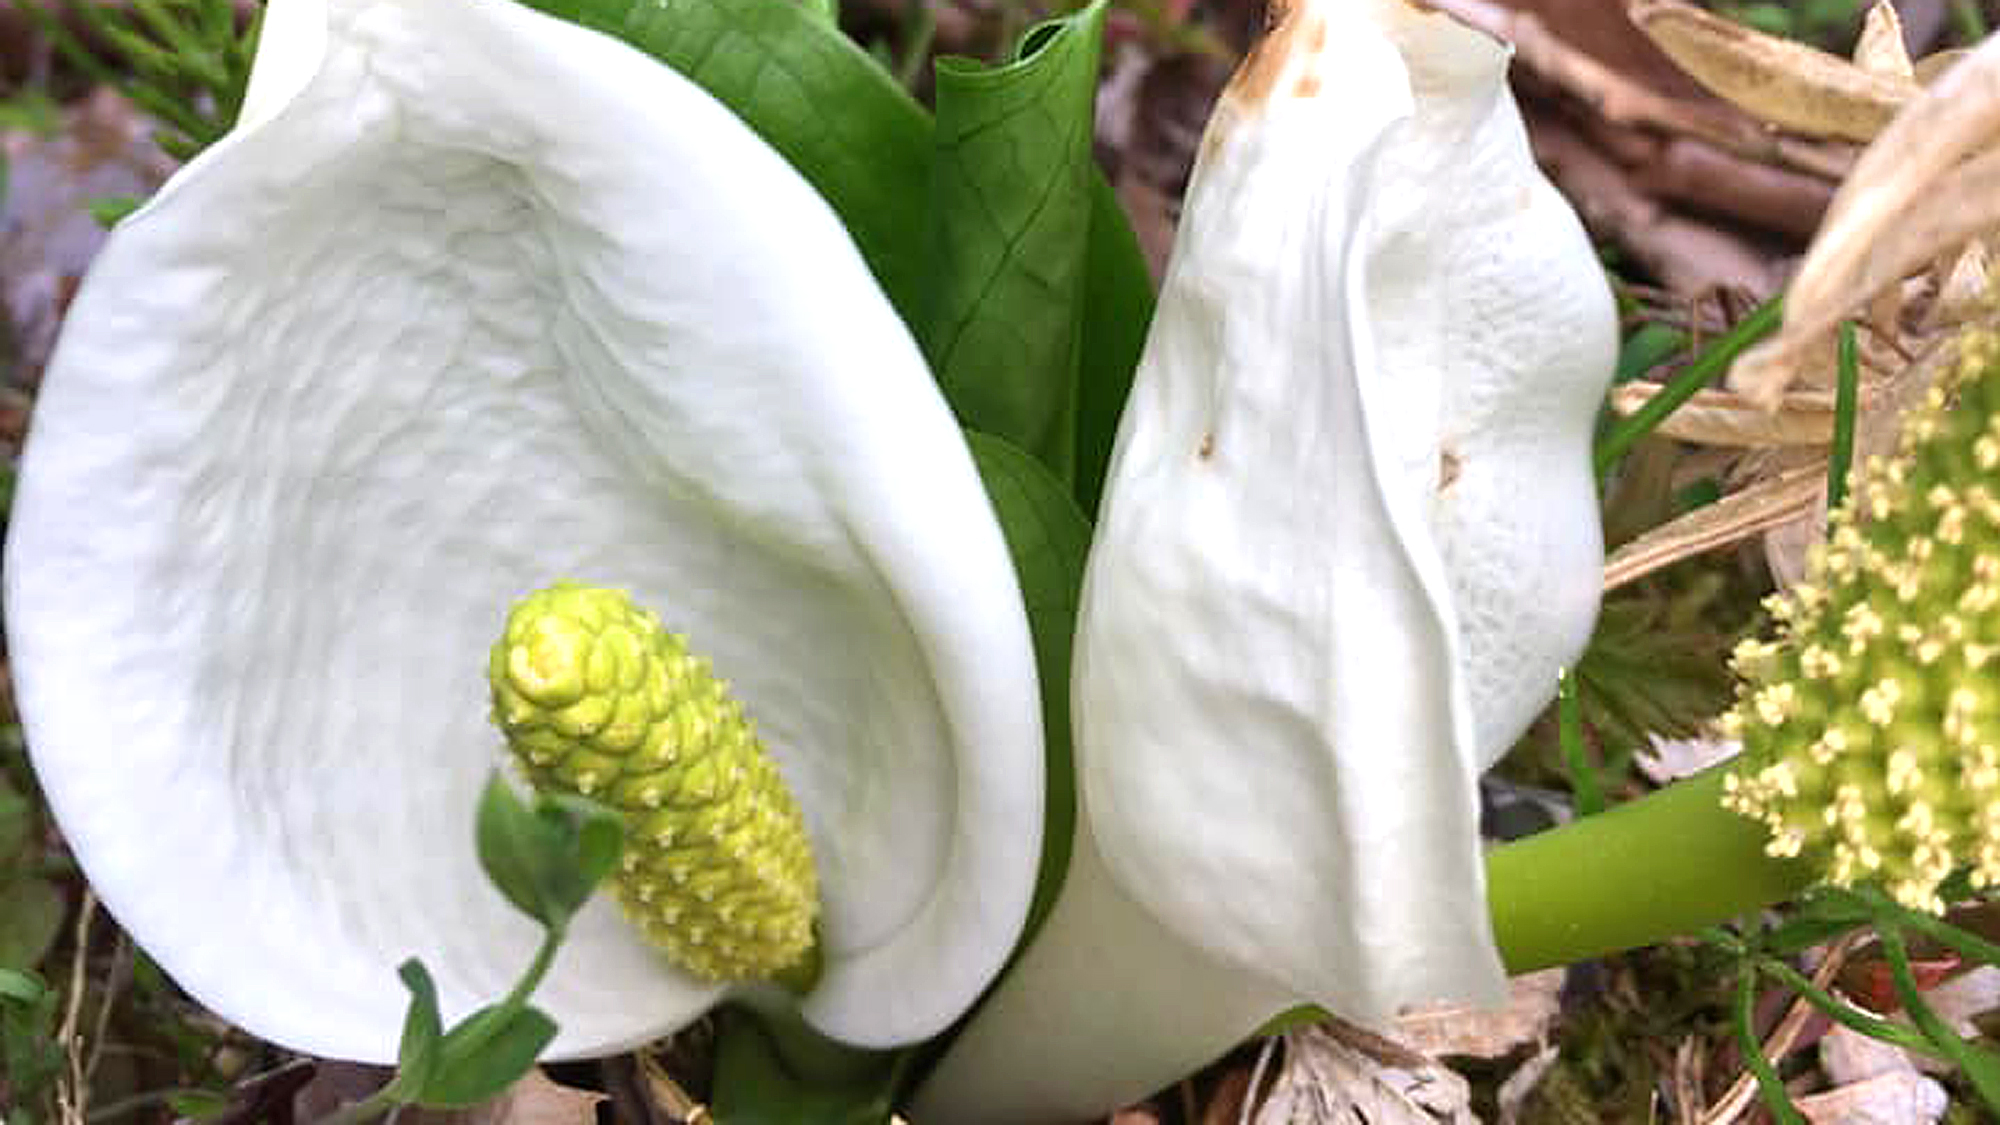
[198,1104]
[1049,538]
[21,987]
[858,138]
[832,111]
[30,1055]
[596,835]
[547,860]
[31,914]
[1010,228]
[110,210]
[754,1087]
[1117,310]
[515,851]
[485,1054]
[423,1029]
[17,826]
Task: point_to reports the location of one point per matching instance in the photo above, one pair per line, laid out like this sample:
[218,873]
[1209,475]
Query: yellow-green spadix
[1871,724]
[472,300]
[599,700]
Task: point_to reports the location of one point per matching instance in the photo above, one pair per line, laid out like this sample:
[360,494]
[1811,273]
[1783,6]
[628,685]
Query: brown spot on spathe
[1449,467]
[1296,36]
[1207,448]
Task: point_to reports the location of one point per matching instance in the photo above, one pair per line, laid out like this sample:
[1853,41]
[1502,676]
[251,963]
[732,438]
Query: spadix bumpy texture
[1871,725]
[597,699]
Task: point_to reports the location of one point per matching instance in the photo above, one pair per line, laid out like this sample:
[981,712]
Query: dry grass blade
[1780,81]
[1925,185]
[1724,418]
[1623,101]
[1732,519]
[1880,50]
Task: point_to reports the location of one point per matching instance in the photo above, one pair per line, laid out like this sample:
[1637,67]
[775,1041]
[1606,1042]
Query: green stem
[1843,1012]
[552,939]
[1668,863]
[1768,1082]
[1979,1067]
[1569,728]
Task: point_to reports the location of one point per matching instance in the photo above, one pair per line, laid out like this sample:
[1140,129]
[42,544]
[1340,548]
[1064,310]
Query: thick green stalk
[1668,863]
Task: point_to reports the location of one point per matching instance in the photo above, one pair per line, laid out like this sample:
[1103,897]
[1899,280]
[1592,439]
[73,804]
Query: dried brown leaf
[1665,760]
[535,1100]
[1732,519]
[1890,1099]
[1928,183]
[1515,1090]
[1932,67]
[1846,1056]
[1725,418]
[1328,1080]
[1780,81]
[1486,1033]
[1880,50]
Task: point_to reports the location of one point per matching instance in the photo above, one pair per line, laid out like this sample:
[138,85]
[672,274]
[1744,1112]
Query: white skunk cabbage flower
[473,300]
[1350,540]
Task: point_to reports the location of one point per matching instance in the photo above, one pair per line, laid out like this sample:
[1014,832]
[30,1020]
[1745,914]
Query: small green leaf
[514,849]
[423,1029]
[1049,538]
[30,1056]
[485,1054]
[198,1104]
[17,825]
[31,915]
[547,859]
[110,210]
[1010,221]
[594,838]
[1647,348]
[21,987]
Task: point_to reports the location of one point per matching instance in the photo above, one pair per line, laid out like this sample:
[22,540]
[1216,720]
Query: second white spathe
[1350,539]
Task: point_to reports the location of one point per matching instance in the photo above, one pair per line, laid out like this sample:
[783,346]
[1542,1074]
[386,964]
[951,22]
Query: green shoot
[546,859]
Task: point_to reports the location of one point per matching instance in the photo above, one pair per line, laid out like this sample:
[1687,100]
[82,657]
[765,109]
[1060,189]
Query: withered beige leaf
[1933,66]
[1888,1099]
[1328,1080]
[1486,1033]
[1670,759]
[1780,81]
[1927,184]
[537,1100]
[1732,519]
[1880,50]
[1725,418]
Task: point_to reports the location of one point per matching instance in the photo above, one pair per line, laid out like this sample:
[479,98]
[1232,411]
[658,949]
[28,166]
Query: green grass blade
[1713,361]
[1846,394]
[1768,1083]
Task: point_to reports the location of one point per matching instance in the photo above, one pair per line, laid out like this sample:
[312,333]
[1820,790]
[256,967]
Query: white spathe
[1350,539]
[471,301]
